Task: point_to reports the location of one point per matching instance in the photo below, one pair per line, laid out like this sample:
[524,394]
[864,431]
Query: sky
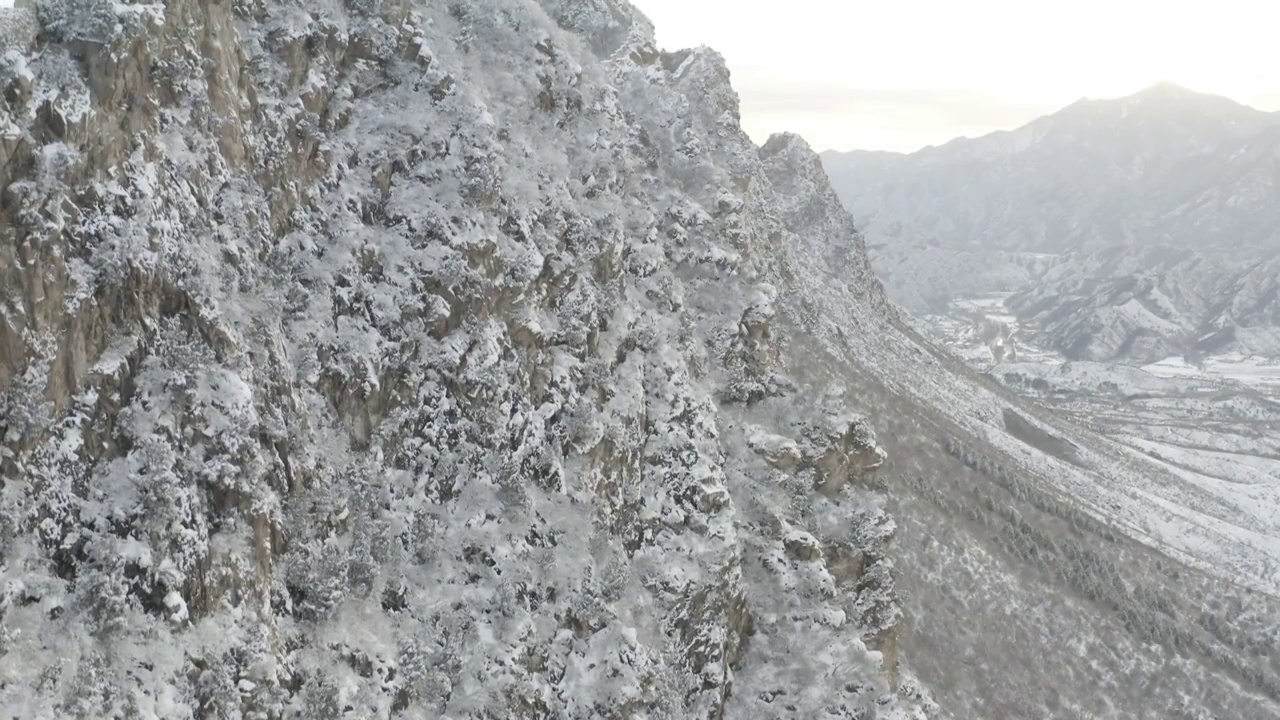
[903,74]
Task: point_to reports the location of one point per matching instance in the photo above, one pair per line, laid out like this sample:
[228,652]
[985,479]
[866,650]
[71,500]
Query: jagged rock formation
[1131,228]
[398,358]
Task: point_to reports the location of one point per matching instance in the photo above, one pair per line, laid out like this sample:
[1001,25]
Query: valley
[1114,266]
[1207,434]
[1116,230]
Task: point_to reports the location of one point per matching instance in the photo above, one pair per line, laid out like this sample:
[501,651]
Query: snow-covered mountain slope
[368,384]
[1165,186]
[1198,304]
[416,359]
[408,359]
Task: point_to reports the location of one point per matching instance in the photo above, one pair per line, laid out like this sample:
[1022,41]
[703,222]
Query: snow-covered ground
[960,330]
[1195,448]
[966,328]
[989,304]
[1259,372]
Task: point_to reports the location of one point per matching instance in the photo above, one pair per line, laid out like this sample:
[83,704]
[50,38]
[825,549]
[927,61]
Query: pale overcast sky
[902,74]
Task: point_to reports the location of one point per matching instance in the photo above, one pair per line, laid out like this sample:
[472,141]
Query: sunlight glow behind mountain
[901,75]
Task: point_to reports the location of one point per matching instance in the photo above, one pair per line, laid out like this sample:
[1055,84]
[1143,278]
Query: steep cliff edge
[378,359]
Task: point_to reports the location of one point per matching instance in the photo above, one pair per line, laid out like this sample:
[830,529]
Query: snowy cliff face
[406,358]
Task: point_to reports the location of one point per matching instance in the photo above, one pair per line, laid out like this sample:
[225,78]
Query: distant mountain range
[1129,229]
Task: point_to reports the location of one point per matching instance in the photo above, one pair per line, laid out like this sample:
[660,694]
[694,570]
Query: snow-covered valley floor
[1262,373]
[1203,442]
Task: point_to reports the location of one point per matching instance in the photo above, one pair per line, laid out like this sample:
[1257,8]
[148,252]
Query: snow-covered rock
[393,359]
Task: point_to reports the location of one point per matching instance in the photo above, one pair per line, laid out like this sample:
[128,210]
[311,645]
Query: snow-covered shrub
[80,20]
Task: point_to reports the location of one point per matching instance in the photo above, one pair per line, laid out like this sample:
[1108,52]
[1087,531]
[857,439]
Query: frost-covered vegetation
[398,359]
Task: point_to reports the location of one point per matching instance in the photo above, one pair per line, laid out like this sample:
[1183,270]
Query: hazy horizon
[874,78]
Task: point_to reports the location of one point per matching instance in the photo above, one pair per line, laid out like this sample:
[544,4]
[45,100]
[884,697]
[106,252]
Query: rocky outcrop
[405,358]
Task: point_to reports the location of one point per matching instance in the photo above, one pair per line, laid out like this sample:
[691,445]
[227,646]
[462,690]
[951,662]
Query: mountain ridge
[1157,91]
[1162,180]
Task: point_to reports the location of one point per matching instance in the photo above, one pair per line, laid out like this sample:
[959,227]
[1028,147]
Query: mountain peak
[1158,95]
[1169,101]
[1165,89]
